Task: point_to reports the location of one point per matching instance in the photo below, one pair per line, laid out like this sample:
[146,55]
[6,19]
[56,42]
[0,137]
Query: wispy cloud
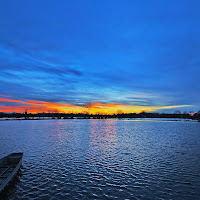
[142,96]
[4,95]
[30,59]
[11,100]
[36,106]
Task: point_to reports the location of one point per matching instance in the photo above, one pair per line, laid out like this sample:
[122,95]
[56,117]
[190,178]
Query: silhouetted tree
[177,112]
[87,107]
[198,115]
[119,112]
[55,111]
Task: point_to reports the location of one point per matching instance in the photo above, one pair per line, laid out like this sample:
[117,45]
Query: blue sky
[131,52]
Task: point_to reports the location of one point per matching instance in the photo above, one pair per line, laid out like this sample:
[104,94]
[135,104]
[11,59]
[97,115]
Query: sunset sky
[128,55]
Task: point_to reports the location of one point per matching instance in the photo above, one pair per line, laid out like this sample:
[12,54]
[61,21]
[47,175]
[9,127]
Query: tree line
[176,114]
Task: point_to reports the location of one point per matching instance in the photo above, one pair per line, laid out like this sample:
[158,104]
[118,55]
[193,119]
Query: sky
[127,55]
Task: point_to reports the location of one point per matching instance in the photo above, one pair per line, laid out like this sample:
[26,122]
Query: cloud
[11,100]
[4,95]
[142,96]
[30,60]
[35,106]
[60,70]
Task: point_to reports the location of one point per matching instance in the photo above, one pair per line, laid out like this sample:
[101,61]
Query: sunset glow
[33,106]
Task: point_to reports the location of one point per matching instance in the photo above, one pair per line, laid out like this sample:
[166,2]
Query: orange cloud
[103,105]
[21,109]
[11,100]
[35,106]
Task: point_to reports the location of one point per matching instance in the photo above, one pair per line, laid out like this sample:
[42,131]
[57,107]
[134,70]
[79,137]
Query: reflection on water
[104,159]
[103,134]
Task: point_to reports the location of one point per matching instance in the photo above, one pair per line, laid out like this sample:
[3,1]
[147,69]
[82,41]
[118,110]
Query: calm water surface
[104,159]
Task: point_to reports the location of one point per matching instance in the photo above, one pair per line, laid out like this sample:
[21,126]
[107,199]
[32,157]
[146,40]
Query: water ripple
[104,159]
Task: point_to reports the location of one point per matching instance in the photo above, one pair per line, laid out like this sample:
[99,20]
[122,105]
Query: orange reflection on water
[103,135]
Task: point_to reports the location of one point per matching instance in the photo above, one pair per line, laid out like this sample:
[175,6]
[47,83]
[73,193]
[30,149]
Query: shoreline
[120,119]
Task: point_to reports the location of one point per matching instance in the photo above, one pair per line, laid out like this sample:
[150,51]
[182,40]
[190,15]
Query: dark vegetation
[176,114]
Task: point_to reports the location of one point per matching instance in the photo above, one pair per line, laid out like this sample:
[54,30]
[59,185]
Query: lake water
[104,159]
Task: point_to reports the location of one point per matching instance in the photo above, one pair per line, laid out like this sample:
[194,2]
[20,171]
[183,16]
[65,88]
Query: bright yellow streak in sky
[115,108]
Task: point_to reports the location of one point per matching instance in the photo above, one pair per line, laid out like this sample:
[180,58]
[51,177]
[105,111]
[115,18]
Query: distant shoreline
[143,115]
[121,119]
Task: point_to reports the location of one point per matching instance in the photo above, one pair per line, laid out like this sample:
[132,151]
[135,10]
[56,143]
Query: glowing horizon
[33,106]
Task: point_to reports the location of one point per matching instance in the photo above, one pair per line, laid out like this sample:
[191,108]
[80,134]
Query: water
[104,159]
